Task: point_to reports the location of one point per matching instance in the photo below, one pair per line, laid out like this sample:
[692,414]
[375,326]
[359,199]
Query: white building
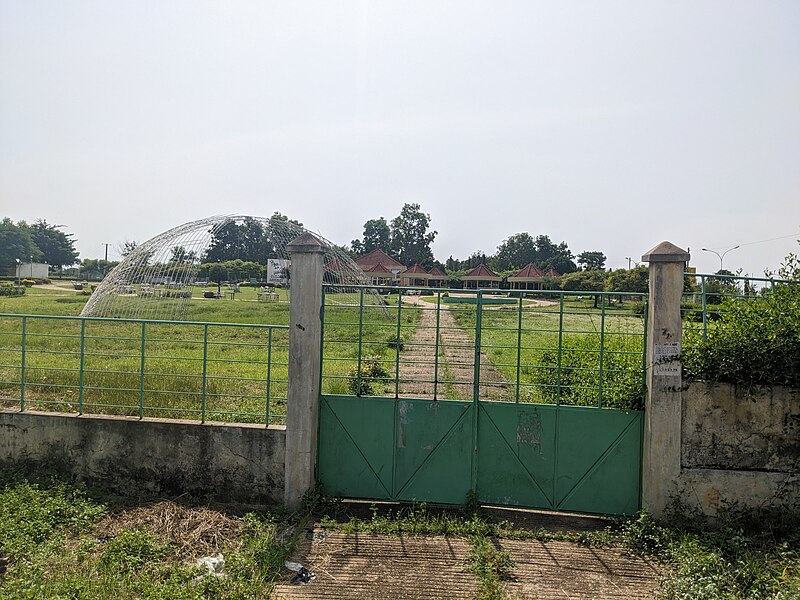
[33,271]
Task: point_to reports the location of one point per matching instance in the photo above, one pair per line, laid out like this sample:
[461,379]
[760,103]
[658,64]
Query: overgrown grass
[47,534]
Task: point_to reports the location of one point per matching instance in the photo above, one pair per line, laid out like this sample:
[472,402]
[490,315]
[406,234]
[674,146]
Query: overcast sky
[609,125]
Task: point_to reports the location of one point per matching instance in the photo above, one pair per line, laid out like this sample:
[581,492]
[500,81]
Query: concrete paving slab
[549,570]
[361,565]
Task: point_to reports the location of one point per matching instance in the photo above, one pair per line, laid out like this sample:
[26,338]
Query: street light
[629,259]
[721,256]
[18,271]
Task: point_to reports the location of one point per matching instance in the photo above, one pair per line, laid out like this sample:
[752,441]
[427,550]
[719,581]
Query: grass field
[228,362]
[242,379]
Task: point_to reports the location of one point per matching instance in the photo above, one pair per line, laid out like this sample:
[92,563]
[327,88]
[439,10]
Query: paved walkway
[456,360]
[363,565]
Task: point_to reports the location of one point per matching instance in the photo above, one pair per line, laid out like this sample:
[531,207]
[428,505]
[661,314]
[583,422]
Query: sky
[610,125]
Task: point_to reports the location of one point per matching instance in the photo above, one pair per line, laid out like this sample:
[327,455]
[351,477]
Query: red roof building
[529,277]
[481,277]
[379,257]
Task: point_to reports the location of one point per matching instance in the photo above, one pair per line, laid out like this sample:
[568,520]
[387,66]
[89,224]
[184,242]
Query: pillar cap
[666,252]
[306,242]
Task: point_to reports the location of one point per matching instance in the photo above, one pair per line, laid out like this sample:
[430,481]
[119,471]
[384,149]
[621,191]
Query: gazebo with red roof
[481,277]
[529,277]
[437,277]
[415,275]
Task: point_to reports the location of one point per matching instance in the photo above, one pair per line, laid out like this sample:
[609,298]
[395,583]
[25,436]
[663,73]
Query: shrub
[756,340]
[623,385]
[397,343]
[11,290]
[373,373]
[28,282]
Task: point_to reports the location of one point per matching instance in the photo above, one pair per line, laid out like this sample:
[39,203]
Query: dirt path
[364,565]
[456,360]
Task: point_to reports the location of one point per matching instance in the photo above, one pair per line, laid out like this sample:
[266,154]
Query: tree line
[407,238]
[37,242]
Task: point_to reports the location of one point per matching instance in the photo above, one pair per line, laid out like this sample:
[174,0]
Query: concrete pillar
[661,461]
[305,328]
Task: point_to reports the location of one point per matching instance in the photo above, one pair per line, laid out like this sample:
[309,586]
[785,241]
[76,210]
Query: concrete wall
[242,463]
[739,445]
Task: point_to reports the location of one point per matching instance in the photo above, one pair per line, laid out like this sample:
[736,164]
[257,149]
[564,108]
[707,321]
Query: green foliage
[373,374]
[16,242]
[30,515]
[579,378]
[396,343]
[410,239]
[592,260]
[130,550]
[58,248]
[249,240]
[584,281]
[28,282]
[490,565]
[628,280]
[11,290]
[756,340]
[377,234]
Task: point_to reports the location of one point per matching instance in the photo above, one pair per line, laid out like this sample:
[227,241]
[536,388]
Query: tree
[516,252]
[592,260]
[16,242]
[376,235]
[585,281]
[245,241]
[553,256]
[410,239]
[127,247]
[250,240]
[628,280]
[58,248]
[181,256]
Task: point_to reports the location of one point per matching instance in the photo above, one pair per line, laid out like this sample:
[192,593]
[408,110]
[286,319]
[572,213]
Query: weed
[490,565]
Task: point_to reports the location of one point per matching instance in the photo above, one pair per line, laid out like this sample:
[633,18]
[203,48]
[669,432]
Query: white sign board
[664,357]
[276,270]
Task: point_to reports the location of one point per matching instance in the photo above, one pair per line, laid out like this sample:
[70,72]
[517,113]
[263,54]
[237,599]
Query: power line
[783,237]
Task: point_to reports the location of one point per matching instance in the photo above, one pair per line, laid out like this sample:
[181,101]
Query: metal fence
[557,347]
[706,297]
[144,368]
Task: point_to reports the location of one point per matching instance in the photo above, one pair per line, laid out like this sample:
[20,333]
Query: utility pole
[629,262]
[106,245]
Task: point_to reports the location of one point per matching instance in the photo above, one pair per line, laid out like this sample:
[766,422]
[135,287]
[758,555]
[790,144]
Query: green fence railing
[707,296]
[584,348]
[143,368]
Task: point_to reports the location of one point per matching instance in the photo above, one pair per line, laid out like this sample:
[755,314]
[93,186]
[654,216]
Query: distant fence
[168,369]
[584,348]
[705,295]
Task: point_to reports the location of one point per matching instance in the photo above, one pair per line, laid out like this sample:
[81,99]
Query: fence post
[661,460]
[305,330]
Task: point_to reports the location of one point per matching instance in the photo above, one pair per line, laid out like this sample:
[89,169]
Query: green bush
[9,289]
[28,282]
[579,380]
[397,343]
[755,341]
[373,373]
[130,550]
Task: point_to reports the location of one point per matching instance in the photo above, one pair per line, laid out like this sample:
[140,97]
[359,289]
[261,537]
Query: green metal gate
[548,453]
[568,458]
